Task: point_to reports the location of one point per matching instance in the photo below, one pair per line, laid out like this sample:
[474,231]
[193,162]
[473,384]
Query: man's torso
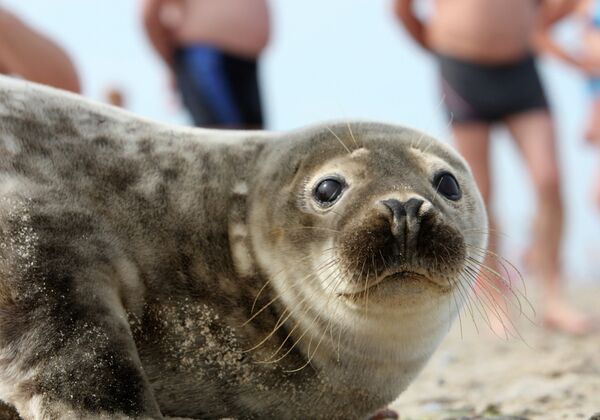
[488,31]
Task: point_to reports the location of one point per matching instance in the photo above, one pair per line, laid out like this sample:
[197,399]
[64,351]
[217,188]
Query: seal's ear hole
[328,190]
[446,184]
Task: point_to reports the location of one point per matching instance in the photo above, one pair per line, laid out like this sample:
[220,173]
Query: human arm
[157,33]
[33,56]
[403,10]
[551,12]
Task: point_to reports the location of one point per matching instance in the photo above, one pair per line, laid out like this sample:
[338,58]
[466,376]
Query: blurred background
[341,59]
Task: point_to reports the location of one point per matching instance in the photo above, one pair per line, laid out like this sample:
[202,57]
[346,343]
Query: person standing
[485,53]
[211,48]
[587,60]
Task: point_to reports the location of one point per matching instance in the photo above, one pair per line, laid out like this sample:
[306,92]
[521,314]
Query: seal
[149,271]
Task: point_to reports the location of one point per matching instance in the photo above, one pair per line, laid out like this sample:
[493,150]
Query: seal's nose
[400,210]
[405,221]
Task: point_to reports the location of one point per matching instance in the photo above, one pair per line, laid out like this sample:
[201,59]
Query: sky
[344,59]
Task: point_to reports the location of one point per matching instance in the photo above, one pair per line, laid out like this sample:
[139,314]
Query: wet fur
[133,258]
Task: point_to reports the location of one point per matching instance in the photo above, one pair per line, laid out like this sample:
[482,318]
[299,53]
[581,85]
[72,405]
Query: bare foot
[562,317]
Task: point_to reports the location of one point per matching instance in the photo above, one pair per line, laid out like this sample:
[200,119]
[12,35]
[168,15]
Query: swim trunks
[475,92]
[218,89]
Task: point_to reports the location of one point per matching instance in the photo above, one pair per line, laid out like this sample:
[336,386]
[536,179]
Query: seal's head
[374,231]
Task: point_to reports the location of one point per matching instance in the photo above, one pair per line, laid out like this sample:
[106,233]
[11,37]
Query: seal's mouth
[401,276]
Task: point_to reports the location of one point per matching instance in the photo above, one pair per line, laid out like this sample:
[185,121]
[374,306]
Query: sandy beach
[544,375]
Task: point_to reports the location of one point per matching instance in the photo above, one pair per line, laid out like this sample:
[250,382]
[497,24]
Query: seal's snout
[405,221]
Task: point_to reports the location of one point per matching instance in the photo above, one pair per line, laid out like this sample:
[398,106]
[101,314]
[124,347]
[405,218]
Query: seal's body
[147,270]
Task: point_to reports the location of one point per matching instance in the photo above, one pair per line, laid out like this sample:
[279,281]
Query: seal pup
[150,271]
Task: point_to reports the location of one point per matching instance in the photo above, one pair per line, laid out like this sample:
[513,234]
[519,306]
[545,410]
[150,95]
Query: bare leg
[592,135]
[534,133]
[592,132]
[473,142]
[596,191]
[32,56]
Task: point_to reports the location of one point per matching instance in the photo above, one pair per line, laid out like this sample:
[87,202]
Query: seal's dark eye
[446,184]
[328,190]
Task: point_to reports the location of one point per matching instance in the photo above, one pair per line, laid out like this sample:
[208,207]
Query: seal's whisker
[463,292]
[436,192]
[488,254]
[515,292]
[449,305]
[468,303]
[299,304]
[514,331]
[458,313]
[485,308]
[306,309]
[494,307]
[354,268]
[480,305]
[376,282]
[385,266]
[352,135]
[297,340]
[327,263]
[431,141]
[273,355]
[310,357]
[327,266]
[340,140]
[367,291]
[469,278]
[383,259]
[489,232]
[421,137]
[362,269]
[482,279]
[324,265]
[278,324]
[276,275]
[501,279]
[323,334]
[501,260]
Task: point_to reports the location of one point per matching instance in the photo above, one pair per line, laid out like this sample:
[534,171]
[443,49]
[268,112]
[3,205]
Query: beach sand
[544,375]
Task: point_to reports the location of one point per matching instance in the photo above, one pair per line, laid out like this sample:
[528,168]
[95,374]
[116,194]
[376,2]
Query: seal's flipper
[66,346]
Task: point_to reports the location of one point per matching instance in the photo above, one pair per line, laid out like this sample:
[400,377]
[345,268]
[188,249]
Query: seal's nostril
[395,206]
[412,207]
